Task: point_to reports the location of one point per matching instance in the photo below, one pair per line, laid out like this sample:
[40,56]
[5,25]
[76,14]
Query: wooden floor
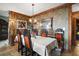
[73,52]
[12,51]
[76,49]
[9,51]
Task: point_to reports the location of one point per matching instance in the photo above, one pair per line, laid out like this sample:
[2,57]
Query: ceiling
[26,8]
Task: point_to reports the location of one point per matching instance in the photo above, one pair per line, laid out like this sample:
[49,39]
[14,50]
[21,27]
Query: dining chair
[27,49]
[60,38]
[43,34]
[20,43]
[19,40]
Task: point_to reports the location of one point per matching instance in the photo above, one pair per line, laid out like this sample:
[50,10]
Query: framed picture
[21,24]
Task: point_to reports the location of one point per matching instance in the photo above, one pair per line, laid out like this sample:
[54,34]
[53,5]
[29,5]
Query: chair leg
[28,52]
[18,48]
[31,53]
[22,50]
[25,52]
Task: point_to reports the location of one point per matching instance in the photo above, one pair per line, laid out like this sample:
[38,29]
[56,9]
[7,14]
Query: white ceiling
[26,8]
[75,7]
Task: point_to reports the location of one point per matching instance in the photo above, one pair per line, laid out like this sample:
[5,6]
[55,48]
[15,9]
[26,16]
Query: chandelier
[32,20]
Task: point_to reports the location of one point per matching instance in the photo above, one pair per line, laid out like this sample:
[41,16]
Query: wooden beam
[69,27]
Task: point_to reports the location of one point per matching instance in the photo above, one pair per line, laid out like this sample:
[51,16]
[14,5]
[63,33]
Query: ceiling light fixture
[32,20]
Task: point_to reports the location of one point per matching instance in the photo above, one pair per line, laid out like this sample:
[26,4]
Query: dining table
[43,45]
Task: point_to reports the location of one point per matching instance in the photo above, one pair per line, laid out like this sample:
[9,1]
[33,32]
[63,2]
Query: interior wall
[60,20]
[13,17]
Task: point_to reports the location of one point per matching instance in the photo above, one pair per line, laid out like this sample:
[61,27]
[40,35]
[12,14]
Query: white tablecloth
[43,45]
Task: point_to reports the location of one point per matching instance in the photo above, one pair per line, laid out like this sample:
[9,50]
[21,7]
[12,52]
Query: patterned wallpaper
[13,17]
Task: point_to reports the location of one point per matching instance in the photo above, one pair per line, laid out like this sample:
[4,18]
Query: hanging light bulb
[31,19]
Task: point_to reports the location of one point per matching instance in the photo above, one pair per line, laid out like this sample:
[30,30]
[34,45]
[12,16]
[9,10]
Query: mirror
[47,26]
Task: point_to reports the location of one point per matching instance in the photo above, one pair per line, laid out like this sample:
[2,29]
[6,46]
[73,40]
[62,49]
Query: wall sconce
[35,20]
[30,20]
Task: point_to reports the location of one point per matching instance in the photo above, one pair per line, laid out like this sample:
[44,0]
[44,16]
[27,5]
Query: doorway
[77,32]
[75,29]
